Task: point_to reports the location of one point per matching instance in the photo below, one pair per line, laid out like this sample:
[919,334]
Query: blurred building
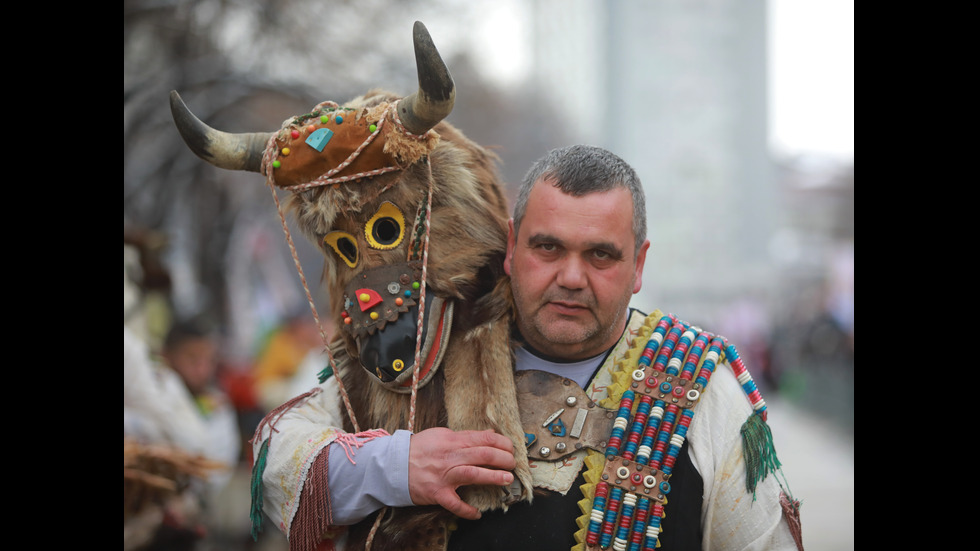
[678,89]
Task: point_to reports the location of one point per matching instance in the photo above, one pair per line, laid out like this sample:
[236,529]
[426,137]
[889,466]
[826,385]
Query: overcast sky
[811,86]
[811,70]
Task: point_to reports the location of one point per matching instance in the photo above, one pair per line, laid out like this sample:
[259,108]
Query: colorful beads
[294,133]
[595,519]
[745,379]
[650,434]
[636,430]
[668,346]
[653,435]
[642,511]
[653,344]
[677,440]
[609,520]
[710,360]
[625,521]
[697,349]
[653,529]
[683,343]
[286,151]
[620,424]
[373,128]
[667,426]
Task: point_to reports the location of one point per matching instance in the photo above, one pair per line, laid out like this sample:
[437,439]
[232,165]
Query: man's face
[573,270]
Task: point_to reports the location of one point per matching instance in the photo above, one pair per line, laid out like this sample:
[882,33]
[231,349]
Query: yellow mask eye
[344,245]
[386,228]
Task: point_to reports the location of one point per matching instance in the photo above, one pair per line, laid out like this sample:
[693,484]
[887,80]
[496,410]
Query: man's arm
[732,518]
[359,474]
[375,475]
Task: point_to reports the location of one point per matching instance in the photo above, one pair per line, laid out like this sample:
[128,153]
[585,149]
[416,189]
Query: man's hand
[441,460]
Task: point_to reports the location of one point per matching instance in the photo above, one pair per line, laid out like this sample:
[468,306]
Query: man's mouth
[567,307]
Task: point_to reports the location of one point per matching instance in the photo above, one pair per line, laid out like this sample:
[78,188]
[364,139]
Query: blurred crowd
[189,412]
[801,344]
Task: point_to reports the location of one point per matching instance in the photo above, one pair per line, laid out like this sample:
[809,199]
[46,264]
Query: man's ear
[511,238]
[641,258]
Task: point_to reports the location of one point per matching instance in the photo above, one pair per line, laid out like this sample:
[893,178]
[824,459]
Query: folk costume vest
[610,455]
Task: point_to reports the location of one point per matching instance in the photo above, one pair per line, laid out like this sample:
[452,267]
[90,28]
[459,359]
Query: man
[575,258]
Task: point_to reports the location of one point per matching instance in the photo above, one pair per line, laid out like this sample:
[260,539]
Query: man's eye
[603,258]
[547,250]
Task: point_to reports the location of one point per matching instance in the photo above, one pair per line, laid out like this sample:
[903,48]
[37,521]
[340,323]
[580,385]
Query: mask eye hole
[386,228]
[344,245]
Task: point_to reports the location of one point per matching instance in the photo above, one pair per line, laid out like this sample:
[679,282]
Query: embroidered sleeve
[286,444]
[302,458]
[733,518]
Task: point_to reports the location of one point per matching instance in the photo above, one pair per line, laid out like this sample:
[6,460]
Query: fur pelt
[474,387]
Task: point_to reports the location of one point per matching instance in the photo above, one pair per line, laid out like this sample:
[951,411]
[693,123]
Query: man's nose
[572,273]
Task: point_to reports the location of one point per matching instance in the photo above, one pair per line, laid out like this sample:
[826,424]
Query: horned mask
[362,188]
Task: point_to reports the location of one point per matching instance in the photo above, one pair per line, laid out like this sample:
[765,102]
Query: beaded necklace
[655,411]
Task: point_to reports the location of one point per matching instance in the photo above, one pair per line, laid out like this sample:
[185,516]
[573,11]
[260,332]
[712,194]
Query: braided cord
[420,325]
[270,153]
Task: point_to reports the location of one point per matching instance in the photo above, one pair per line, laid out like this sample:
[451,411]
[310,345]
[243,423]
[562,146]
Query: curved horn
[433,101]
[222,149]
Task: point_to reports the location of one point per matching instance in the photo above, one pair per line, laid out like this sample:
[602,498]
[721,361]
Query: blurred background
[737,114]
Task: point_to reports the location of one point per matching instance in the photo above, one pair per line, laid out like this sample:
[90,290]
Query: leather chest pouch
[558,417]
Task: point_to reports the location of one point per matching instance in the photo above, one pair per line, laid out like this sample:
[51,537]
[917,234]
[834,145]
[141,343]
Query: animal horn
[221,149]
[433,101]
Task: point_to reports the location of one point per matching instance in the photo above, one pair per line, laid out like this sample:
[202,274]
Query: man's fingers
[451,501]
[441,460]
[484,457]
[469,475]
[477,438]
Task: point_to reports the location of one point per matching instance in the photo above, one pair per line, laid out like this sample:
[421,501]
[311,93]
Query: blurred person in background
[191,351]
[277,366]
[180,438]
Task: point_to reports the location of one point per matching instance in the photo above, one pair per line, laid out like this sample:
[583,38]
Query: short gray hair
[582,169]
